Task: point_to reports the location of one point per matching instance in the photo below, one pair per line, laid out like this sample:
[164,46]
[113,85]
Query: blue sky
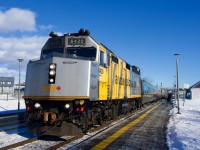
[142,32]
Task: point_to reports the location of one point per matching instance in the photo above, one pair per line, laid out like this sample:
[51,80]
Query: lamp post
[177,86]
[19,95]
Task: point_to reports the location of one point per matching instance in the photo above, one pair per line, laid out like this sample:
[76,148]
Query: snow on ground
[7,139]
[10,104]
[184,128]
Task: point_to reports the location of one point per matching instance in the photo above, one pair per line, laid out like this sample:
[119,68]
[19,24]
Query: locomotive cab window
[115,59]
[108,59]
[81,52]
[103,59]
[52,52]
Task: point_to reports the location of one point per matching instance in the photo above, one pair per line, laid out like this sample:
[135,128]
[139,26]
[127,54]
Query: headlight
[51,80]
[67,106]
[52,66]
[52,72]
[82,102]
[77,102]
[37,105]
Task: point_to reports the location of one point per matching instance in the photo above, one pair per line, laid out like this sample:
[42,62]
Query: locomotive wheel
[115,110]
[100,119]
[85,130]
[86,125]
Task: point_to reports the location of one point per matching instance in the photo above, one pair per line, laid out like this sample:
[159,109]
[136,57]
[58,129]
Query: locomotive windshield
[82,52]
[88,53]
[52,52]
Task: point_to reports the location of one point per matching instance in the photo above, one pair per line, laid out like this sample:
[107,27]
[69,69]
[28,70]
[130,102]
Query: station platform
[145,130]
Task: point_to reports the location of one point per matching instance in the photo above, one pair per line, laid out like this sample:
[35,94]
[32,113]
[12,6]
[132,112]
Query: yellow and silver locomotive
[78,83]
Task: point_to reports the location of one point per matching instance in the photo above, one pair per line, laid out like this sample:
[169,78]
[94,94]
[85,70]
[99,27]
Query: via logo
[58,88]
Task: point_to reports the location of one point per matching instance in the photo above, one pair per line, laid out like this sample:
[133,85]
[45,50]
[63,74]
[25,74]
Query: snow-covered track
[19,143]
[11,122]
[45,141]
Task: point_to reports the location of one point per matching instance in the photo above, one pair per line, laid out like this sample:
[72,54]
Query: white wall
[195,93]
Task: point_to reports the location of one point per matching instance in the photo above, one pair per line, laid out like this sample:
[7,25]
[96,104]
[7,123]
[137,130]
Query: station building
[22,88]
[194,91]
[6,85]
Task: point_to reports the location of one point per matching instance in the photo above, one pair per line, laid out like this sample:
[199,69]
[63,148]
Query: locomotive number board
[76,41]
[56,43]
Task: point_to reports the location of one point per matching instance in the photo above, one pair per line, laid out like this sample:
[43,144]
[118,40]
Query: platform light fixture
[177,84]
[19,93]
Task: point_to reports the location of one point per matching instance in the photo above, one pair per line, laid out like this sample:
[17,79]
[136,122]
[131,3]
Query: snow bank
[184,129]
[10,104]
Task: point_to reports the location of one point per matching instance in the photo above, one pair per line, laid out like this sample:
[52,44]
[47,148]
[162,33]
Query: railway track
[52,142]
[12,122]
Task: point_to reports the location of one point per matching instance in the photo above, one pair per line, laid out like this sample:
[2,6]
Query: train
[78,83]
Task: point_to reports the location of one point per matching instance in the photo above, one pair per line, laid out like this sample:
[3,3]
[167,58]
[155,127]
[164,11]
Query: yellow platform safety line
[109,140]
[136,96]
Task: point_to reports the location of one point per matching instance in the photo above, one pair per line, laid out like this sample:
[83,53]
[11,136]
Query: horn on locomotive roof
[52,34]
[87,32]
[83,32]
